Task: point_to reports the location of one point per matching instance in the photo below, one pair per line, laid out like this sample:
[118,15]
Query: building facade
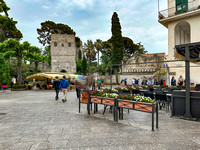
[63,53]
[182,19]
[138,67]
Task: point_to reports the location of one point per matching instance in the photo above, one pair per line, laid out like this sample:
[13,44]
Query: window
[62,44]
[55,44]
[181,6]
[69,44]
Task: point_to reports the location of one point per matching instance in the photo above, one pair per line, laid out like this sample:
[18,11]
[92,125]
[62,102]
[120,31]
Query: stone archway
[63,71]
[182,33]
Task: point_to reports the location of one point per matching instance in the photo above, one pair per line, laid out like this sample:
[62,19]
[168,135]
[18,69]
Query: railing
[192,5]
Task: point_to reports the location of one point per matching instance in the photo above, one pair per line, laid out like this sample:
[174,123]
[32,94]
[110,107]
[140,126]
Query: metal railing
[192,5]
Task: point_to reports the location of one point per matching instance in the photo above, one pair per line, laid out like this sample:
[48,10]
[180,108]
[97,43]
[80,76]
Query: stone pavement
[35,121]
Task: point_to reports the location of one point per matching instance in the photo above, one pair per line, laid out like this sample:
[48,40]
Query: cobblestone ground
[35,121]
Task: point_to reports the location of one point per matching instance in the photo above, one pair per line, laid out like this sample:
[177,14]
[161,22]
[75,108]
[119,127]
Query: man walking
[64,84]
[56,84]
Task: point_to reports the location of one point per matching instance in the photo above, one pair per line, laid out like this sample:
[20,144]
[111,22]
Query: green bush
[19,86]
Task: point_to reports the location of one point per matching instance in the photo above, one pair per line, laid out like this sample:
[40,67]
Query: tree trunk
[89,64]
[19,70]
[116,73]
[36,67]
[98,59]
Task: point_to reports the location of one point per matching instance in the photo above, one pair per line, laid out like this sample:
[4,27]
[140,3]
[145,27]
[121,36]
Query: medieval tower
[63,53]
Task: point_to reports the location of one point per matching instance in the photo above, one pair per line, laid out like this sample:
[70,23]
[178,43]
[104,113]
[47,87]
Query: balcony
[179,10]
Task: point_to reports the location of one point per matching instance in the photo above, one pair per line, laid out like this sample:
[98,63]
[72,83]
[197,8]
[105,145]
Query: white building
[182,18]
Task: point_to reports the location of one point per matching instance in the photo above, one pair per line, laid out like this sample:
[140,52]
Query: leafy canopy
[50,27]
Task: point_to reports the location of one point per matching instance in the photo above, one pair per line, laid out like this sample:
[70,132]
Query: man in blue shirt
[64,84]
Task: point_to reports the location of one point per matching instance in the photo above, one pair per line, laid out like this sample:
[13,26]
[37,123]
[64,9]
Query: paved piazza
[35,121]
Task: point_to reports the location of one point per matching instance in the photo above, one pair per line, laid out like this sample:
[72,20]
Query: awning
[160,72]
[51,75]
[194,50]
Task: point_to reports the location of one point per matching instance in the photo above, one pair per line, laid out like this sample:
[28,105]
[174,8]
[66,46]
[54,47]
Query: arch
[182,33]
[63,70]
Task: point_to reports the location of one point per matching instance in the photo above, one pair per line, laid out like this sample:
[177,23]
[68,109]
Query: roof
[152,54]
[51,75]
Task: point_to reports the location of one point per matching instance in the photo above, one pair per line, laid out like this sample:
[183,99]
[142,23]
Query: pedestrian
[11,84]
[4,86]
[137,82]
[77,84]
[56,84]
[164,83]
[93,85]
[155,82]
[149,82]
[64,84]
[173,81]
[122,82]
[125,82]
[133,82]
[180,80]
[161,82]
[99,83]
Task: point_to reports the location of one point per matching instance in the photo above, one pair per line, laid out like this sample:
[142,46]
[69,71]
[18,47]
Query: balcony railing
[191,6]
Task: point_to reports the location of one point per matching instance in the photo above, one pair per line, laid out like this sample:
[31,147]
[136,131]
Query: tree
[89,50]
[47,54]
[4,70]
[140,49]
[98,46]
[117,42]
[107,49]
[35,56]
[84,65]
[8,25]
[79,54]
[2,36]
[4,8]
[79,66]
[13,48]
[50,27]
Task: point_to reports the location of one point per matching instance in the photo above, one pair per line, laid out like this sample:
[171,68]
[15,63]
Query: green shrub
[19,86]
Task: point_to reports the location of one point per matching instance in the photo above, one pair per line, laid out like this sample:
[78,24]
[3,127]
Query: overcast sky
[91,19]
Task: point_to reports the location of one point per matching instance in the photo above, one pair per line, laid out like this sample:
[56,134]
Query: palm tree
[98,45]
[89,50]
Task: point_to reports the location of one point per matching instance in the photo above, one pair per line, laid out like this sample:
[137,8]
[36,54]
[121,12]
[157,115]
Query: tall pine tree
[117,40]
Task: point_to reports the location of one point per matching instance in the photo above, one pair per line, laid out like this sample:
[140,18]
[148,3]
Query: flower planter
[84,97]
[96,100]
[108,101]
[142,106]
[125,104]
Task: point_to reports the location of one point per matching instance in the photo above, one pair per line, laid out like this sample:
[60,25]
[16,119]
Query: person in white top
[133,82]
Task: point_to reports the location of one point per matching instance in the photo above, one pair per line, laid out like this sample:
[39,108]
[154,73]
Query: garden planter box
[85,97]
[96,100]
[125,104]
[108,101]
[179,103]
[142,106]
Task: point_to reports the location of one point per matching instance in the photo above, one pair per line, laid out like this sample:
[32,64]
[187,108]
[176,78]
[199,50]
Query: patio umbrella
[80,78]
[160,72]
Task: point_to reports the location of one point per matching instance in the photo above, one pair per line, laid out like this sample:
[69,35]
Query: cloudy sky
[91,19]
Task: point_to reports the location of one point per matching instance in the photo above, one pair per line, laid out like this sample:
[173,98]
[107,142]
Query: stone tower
[63,53]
